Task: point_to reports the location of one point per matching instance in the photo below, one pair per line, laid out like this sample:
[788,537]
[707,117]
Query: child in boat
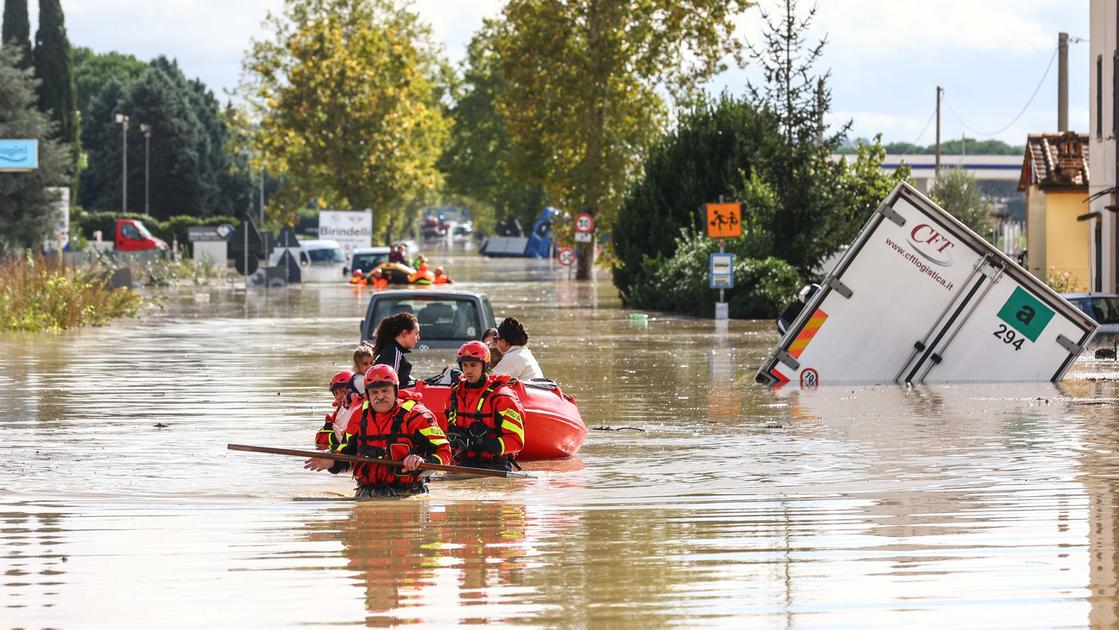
[326,438]
[363,358]
[490,339]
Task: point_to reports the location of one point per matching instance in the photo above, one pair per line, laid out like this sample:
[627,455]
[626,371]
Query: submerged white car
[319,260]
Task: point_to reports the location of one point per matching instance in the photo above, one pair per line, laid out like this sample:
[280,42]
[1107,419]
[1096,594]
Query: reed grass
[38,293]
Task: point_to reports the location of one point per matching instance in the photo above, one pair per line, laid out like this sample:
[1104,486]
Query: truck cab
[132,236]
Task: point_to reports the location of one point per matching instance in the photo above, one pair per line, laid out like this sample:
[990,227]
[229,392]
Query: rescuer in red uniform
[388,427]
[485,420]
[323,439]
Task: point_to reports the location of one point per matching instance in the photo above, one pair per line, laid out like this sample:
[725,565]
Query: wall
[1066,239]
[1101,137]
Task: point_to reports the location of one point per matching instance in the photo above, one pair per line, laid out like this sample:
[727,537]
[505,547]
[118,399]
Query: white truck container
[920,298]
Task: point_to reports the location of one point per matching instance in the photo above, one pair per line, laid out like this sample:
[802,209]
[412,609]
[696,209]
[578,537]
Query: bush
[680,284]
[83,224]
[38,293]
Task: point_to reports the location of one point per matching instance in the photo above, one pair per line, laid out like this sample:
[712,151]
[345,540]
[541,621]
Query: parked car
[1102,307]
[447,319]
[319,260]
[131,236]
[366,258]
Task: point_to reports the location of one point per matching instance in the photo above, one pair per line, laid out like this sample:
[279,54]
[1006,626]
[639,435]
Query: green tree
[711,148]
[27,213]
[93,71]
[957,192]
[17,30]
[52,67]
[348,97]
[477,160]
[582,97]
[191,169]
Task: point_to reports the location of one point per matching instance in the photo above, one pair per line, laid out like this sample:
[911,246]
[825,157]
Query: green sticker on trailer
[1026,314]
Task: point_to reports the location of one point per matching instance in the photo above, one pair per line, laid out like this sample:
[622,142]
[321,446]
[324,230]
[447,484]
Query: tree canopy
[17,30]
[582,80]
[27,211]
[347,94]
[958,192]
[93,71]
[52,67]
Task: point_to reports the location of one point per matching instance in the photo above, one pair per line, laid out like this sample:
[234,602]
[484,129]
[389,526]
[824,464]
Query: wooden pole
[356,459]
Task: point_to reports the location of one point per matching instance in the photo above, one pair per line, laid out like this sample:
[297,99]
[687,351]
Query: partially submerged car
[1102,307]
[366,258]
[447,319]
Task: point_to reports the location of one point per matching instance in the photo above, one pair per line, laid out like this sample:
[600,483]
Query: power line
[1015,119]
[926,127]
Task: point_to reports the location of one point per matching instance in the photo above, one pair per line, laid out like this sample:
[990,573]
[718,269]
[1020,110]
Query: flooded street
[699,500]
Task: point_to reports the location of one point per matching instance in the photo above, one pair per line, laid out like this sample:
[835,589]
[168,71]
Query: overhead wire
[926,127]
[1020,113]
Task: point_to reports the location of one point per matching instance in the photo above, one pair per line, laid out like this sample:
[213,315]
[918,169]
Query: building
[1054,176]
[1103,123]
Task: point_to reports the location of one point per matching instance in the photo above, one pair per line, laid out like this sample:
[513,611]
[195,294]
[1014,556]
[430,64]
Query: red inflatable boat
[553,427]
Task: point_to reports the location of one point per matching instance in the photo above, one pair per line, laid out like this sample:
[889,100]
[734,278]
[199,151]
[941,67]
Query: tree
[17,30]
[52,67]
[27,211]
[957,192]
[477,162]
[190,167]
[711,148]
[348,99]
[582,99]
[93,71]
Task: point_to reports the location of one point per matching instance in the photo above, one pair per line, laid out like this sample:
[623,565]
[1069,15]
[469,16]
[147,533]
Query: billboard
[350,229]
[19,155]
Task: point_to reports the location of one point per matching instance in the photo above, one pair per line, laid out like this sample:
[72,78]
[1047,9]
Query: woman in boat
[485,419]
[396,336]
[517,360]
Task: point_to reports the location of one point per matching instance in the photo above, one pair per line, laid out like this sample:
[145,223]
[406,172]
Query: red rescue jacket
[408,428]
[324,439]
[489,416]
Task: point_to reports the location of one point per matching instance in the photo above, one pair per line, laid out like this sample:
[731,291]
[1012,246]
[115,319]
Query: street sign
[722,271]
[584,223]
[583,237]
[724,220]
[566,256]
[19,155]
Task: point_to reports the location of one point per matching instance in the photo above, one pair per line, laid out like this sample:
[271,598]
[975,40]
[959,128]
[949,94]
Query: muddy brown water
[717,504]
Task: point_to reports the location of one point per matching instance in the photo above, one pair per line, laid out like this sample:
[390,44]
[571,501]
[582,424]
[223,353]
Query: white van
[319,261]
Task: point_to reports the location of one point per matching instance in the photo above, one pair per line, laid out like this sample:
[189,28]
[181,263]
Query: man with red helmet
[325,437]
[389,427]
[485,419]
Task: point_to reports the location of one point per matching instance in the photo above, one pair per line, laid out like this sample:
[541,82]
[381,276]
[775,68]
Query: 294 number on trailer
[1007,336]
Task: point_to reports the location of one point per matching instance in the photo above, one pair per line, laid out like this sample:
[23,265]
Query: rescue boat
[553,427]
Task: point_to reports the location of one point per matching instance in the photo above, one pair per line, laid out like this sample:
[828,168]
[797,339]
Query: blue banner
[19,155]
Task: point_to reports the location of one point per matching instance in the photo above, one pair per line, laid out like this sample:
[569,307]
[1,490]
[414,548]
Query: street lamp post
[147,130]
[122,120]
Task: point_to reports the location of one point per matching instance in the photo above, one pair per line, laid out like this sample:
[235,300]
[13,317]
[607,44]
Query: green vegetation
[347,94]
[93,71]
[17,30]
[53,69]
[39,294]
[27,213]
[583,83]
[959,146]
[85,223]
[957,192]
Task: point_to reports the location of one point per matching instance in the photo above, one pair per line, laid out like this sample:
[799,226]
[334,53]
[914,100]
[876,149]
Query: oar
[484,472]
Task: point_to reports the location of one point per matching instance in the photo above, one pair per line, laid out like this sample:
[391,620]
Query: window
[130,231]
[1106,309]
[326,256]
[440,319]
[1099,97]
[366,262]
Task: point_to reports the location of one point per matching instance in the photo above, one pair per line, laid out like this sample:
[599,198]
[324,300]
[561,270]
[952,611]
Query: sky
[886,57]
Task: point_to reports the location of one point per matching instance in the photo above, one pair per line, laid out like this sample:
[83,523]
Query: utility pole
[122,120]
[1062,82]
[147,129]
[939,94]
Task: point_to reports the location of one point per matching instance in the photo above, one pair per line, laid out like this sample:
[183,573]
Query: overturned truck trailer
[920,298]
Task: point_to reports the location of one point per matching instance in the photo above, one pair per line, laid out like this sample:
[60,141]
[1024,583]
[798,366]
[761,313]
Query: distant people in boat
[517,360]
[377,278]
[395,337]
[397,255]
[441,277]
[391,426]
[324,438]
[422,275]
[419,260]
[485,419]
[489,338]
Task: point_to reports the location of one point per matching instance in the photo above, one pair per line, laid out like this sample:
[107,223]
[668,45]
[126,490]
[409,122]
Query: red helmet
[474,351]
[439,271]
[380,375]
[340,379]
[357,272]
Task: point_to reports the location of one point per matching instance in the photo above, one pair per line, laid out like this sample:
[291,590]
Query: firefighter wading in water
[485,420]
[389,427]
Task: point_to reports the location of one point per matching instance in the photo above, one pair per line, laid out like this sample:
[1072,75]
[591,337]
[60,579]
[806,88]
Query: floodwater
[712,503]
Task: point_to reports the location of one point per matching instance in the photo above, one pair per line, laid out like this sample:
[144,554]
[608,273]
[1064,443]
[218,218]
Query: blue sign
[19,155]
[722,271]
